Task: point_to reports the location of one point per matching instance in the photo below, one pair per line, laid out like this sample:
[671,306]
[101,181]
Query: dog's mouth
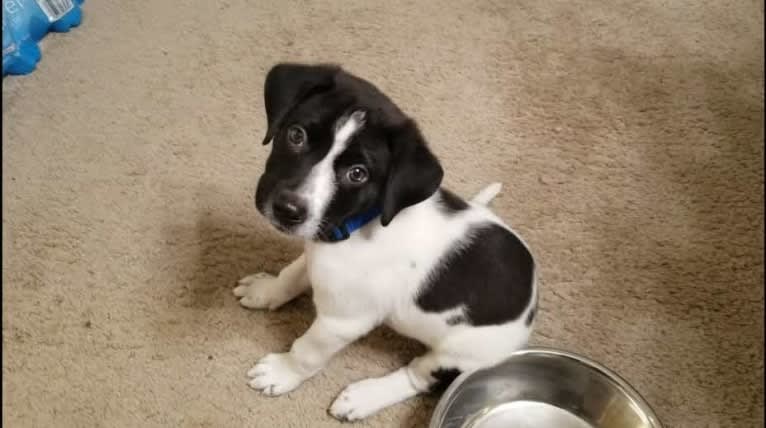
[282,228]
[303,230]
[324,232]
[286,229]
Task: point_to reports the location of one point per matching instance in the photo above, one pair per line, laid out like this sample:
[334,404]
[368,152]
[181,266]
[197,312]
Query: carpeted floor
[629,136]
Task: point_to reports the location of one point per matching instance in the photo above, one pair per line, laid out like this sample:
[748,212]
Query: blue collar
[351,225]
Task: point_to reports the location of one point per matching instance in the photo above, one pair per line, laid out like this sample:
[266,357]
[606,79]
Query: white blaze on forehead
[320,185]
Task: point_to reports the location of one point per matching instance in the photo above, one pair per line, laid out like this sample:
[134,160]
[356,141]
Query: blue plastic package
[26,22]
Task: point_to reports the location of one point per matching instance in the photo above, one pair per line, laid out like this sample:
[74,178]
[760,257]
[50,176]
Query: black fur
[287,85]
[450,202]
[402,170]
[415,174]
[492,277]
[443,378]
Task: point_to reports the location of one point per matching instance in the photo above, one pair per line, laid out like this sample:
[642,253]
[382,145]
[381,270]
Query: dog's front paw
[276,374]
[260,291]
[359,400]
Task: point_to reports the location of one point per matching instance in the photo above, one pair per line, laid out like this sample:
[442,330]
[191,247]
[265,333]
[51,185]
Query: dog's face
[340,148]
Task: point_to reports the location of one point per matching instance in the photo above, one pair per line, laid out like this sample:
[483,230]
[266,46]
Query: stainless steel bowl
[543,388]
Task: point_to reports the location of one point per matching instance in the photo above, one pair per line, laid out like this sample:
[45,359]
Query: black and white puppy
[384,244]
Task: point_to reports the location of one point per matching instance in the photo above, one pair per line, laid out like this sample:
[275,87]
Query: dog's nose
[289,208]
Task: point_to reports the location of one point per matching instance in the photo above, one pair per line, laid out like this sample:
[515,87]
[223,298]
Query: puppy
[351,175]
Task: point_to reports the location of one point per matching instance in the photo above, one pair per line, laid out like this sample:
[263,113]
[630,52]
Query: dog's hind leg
[487,194]
[264,291]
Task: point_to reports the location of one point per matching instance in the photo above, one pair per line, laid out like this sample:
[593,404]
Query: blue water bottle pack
[26,22]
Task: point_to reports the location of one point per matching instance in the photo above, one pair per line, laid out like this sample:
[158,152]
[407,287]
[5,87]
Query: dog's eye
[296,135]
[357,174]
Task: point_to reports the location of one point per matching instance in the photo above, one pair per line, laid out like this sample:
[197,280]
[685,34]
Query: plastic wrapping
[26,22]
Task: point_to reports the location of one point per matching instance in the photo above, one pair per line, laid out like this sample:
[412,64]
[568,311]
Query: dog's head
[340,148]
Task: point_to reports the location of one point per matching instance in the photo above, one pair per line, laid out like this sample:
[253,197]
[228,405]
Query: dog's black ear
[289,84]
[414,173]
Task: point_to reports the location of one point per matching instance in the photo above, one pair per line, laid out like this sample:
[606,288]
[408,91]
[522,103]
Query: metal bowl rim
[623,385]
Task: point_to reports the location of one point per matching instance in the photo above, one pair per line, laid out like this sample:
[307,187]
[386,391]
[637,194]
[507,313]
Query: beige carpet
[629,136]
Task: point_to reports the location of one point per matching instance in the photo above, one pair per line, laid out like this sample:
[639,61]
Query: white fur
[264,291]
[373,278]
[487,194]
[363,398]
[319,186]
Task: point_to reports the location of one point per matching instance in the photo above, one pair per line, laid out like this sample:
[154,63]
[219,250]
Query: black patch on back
[492,277]
[450,202]
[443,378]
[531,316]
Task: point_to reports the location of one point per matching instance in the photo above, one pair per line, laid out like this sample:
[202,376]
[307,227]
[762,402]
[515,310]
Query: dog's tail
[487,194]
